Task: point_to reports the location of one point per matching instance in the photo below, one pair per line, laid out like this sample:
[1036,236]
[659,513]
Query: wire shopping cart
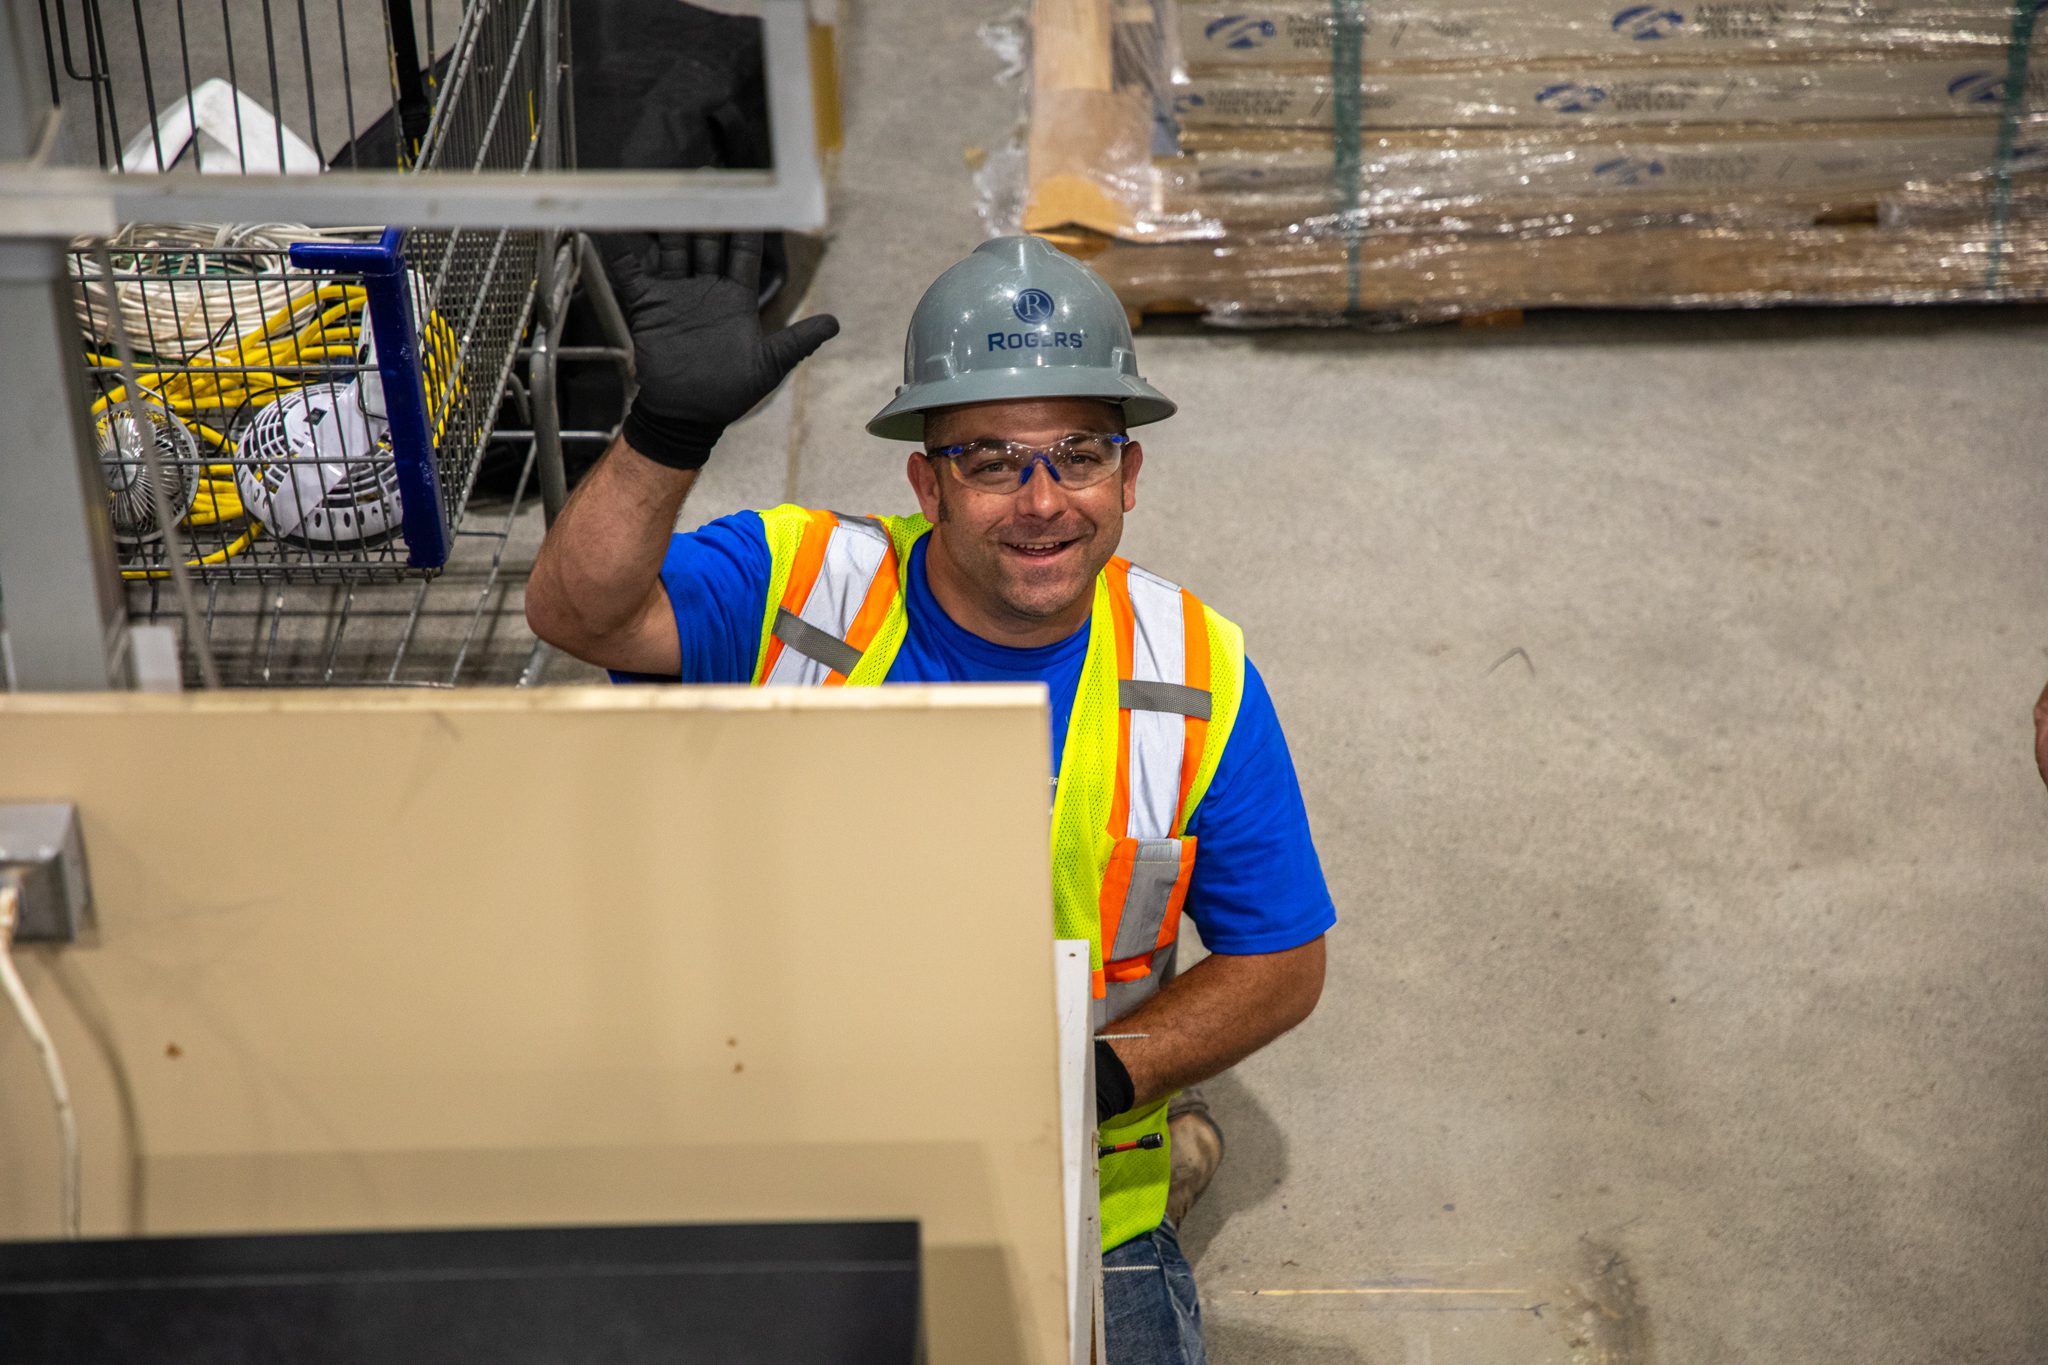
[260,375]
[315,403]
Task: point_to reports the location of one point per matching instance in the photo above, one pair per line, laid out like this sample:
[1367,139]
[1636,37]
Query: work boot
[1197,1146]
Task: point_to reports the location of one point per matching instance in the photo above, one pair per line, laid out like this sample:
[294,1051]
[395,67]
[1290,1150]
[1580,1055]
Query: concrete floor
[1687,1004]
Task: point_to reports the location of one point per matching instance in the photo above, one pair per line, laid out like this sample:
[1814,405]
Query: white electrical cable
[213,300]
[46,1052]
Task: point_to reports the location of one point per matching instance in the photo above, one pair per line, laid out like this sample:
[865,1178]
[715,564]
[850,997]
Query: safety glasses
[991,465]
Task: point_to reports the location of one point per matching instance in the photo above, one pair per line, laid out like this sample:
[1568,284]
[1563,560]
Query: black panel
[839,1292]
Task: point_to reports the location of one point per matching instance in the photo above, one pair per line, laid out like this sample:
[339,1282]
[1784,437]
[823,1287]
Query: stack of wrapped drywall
[1435,157]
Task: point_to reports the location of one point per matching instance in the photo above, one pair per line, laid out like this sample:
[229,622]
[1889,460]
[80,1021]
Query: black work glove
[1114,1090]
[698,353]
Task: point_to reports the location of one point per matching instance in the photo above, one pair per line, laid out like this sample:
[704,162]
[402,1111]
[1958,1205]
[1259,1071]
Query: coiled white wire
[176,317]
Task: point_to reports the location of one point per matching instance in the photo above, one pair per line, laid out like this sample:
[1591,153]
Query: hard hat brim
[903,418]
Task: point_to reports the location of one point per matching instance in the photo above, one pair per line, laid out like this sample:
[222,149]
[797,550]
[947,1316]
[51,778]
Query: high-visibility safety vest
[1158,696]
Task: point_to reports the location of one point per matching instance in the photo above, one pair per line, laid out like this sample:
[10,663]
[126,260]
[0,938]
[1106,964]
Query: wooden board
[584,955]
[1444,275]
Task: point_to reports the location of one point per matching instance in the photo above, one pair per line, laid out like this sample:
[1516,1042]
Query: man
[1173,789]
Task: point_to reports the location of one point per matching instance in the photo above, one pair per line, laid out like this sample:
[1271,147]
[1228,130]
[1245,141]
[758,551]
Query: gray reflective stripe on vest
[1154,870]
[815,637]
[1175,698]
[800,635]
[873,524]
[1121,997]
[1158,675]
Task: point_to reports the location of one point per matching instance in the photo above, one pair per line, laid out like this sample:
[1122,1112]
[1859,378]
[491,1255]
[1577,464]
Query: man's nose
[1042,493]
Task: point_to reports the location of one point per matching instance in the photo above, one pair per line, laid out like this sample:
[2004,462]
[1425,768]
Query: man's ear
[924,481]
[1134,456]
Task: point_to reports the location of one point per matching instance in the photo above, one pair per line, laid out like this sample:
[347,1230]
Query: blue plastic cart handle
[422,514]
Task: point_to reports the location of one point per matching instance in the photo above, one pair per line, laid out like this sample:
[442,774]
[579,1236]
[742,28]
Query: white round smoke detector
[311,468]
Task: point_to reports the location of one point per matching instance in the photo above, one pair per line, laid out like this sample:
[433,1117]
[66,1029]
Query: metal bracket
[42,855]
[37,200]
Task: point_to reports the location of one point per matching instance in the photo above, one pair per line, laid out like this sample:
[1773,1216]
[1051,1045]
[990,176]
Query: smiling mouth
[1039,549]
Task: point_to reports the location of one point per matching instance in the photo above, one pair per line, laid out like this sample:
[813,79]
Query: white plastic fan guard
[313,469]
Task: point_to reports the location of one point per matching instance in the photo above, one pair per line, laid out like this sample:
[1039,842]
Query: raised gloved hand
[702,363]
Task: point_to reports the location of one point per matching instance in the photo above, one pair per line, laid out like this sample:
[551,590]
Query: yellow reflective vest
[1158,696]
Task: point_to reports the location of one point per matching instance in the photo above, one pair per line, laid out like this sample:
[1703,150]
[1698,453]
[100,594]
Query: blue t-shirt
[1257,885]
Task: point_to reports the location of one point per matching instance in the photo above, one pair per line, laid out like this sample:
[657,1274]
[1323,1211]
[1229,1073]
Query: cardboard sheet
[585,955]
[1564,94]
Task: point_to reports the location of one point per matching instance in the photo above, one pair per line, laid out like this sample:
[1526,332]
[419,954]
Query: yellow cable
[213,503]
[220,556]
[217,440]
[319,338]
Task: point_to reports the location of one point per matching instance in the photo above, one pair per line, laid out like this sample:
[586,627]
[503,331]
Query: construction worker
[1173,786]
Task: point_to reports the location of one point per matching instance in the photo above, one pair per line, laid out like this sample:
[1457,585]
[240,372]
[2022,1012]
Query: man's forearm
[1217,1013]
[602,558]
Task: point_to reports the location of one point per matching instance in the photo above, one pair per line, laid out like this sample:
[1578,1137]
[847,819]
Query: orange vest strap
[803,576]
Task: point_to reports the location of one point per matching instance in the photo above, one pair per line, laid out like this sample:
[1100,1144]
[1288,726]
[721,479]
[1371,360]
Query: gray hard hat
[1017,319]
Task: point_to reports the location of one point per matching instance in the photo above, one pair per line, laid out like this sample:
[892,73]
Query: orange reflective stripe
[1169,928]
[1119,571]
[1195,646]
[1130,969]
[1109,906]
[1116,890]
[874,609]
[803,576]
[1118,575]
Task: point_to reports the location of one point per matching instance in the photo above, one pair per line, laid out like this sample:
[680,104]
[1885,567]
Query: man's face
[1026,560]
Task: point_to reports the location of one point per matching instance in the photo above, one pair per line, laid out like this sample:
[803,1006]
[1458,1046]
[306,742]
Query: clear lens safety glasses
[991,465]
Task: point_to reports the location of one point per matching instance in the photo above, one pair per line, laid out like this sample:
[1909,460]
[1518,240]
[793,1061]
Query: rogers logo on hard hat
[1033,306]
[1035,341]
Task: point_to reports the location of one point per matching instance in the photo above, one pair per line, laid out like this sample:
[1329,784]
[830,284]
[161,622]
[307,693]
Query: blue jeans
[1150,1313]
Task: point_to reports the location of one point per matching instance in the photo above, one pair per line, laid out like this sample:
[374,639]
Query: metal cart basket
[318,406]
[313,403]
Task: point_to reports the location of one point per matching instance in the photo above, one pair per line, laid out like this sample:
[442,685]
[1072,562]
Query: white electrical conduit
[46,1053]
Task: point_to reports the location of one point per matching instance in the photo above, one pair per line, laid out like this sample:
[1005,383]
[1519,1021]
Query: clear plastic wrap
[1312,160]
[1578,93]
[1217,34]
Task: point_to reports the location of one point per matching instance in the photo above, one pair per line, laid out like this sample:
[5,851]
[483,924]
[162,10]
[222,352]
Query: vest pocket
[1142,893]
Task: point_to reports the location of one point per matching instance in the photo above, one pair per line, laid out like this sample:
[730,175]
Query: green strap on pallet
[2012,108]
[1347,52]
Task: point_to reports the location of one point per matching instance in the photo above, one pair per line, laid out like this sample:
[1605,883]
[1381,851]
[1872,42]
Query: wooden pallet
[1090,156]
[1490,282]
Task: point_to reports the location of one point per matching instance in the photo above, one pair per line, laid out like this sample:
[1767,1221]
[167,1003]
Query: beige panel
[377,959]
